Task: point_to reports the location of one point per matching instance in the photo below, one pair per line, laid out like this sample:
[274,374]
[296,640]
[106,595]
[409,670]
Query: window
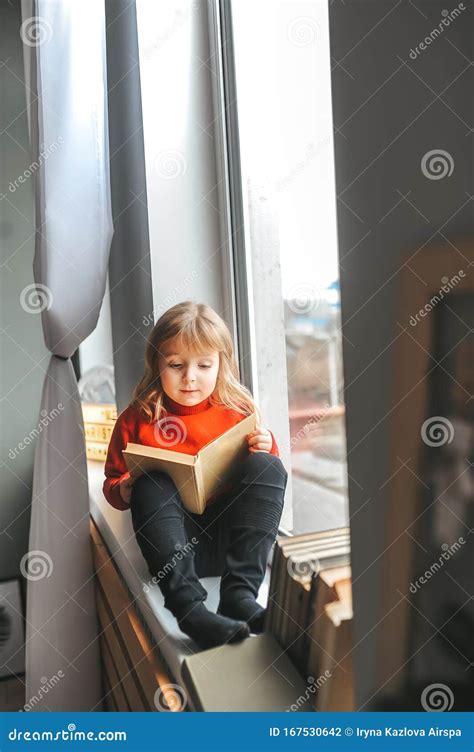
[278,55]
[97,384]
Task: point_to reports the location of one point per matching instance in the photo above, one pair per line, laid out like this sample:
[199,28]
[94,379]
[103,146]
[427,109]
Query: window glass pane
[283,80]
[97,385]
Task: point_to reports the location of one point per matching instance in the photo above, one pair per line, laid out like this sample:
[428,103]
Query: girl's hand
[259,440]
[125,486]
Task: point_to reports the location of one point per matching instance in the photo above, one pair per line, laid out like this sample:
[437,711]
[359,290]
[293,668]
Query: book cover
[98,412]
[328,540]
[303,569]
[323,593]
[280,562]
[199,476]
[337,693]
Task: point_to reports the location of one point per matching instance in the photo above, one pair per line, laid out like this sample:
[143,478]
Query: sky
[285,124]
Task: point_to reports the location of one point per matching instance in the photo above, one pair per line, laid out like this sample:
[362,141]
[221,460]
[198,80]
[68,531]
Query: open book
[196,476]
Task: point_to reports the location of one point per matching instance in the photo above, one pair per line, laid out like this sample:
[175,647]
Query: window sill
[117,532]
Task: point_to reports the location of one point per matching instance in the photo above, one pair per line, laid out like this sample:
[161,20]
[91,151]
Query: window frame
[252,328]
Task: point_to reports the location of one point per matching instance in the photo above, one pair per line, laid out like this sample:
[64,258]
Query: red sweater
[203,423]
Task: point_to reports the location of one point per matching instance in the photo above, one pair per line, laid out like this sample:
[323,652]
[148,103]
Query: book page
[220,458]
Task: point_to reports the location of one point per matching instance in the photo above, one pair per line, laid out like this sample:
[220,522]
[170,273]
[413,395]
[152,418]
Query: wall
[389,111]
[23,356]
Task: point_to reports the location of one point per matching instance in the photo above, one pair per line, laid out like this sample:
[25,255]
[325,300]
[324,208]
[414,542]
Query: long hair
[198,328]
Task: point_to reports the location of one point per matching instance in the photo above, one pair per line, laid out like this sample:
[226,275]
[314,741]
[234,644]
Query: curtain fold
[67,101]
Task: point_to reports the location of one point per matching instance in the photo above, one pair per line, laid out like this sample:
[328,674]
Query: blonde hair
[198,327]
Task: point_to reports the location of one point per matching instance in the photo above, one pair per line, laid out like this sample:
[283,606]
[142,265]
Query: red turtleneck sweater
[202,423]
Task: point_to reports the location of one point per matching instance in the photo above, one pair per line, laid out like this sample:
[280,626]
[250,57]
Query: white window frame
[251,248]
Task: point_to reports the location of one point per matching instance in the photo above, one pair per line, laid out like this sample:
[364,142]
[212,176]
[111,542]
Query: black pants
[179,547]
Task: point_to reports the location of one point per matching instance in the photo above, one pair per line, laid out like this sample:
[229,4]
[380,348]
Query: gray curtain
[131,297]
[64,46]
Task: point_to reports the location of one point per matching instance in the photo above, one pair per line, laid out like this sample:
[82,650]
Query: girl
[189,395]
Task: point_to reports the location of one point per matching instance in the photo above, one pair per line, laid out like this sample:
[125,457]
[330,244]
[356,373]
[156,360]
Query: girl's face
[187,377]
